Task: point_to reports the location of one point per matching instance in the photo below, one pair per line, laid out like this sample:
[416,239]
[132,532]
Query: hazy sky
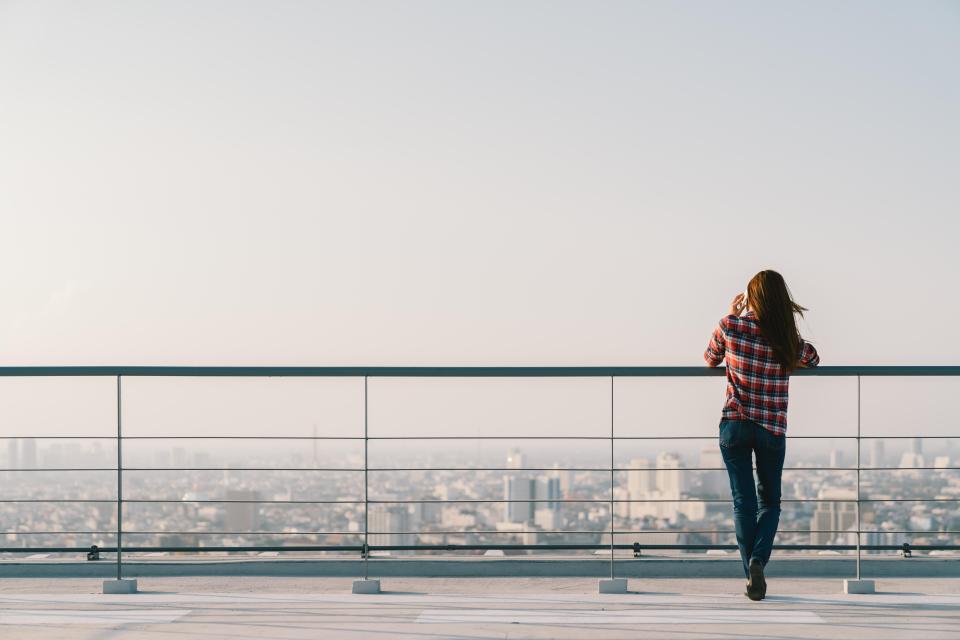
[456,183]
[473,182]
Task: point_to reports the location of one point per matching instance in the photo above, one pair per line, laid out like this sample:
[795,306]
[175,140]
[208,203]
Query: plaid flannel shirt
[757,386]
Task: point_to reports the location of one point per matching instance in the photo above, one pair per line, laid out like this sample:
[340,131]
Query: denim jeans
[740,440]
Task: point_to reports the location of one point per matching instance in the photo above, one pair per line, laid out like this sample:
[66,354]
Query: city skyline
[668,497]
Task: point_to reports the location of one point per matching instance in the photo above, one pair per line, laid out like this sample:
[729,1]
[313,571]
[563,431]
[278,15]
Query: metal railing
[365,549]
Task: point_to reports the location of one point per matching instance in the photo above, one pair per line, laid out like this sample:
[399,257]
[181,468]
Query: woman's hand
[738,305]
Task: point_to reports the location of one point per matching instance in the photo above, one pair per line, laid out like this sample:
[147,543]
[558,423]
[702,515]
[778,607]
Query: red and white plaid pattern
[757,386]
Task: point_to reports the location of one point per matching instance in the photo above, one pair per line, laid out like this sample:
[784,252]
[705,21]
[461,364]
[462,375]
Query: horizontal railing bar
[599,532]
[246,533]
[603,532]
[478,547]
[30,470]
[852,499]
[239,469]
[605,438]
[149,501]
[63,500]
[462,437]
[242,437]
[126,549]
[466,501]
[454,372]
[33,437]
[631,469]
[678,547]
[359,469]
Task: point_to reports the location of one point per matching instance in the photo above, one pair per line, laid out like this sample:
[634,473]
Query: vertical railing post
[612,584]
[366,585]
[859,585]
[119,480]
[366,488]
[858,477]
[611,479]
[120,585]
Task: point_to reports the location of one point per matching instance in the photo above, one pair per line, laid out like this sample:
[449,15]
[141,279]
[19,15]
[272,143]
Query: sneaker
[757,584]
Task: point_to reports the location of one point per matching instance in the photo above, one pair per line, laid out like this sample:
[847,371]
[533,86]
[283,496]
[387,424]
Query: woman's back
[757,384]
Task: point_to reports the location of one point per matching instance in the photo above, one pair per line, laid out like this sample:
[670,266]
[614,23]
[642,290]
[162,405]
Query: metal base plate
[859,586]
[613,585]
[120,586]
[366,586]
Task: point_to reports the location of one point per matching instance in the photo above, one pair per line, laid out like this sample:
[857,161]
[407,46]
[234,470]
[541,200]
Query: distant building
[877,456]
[521,492]
[179,457]
[871,538]
[566,479]
[911,460]
[548,488]
[670,478]
[457,517]
[13,456]
[831,520]
[29,453]
[836,459]
[660,492]
[518,490]
[242,516]
[516,459]
[713,482]
[391,522]
[640,481]
[547,519]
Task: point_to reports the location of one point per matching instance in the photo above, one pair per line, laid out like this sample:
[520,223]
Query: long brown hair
[771,302]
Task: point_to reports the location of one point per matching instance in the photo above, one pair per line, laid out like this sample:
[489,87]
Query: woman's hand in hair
[738,305]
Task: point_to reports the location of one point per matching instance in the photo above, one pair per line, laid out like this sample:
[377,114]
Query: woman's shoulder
[731,322]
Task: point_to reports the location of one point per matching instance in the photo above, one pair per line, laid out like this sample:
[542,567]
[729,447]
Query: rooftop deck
[257,607]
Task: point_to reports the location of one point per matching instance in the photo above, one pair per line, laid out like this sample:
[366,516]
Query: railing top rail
[453,372]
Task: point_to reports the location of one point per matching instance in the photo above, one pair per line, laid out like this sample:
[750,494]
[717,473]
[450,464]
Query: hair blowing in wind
[776,312]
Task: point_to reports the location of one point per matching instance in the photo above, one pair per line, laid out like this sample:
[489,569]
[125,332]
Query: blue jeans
[740,440]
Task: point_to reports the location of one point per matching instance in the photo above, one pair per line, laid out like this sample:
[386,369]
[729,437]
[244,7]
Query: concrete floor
[422,608]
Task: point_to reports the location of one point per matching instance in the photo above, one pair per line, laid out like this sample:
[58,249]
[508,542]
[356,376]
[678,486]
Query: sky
[473,183]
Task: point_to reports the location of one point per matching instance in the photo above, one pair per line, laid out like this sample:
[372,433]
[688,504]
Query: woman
[762,348]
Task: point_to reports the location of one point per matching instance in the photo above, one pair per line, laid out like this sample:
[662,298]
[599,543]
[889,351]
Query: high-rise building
[641,478]
[548,488]
[831,519]
[566,478]
[517,490]
[670,480]
[391,524]
[918,446]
